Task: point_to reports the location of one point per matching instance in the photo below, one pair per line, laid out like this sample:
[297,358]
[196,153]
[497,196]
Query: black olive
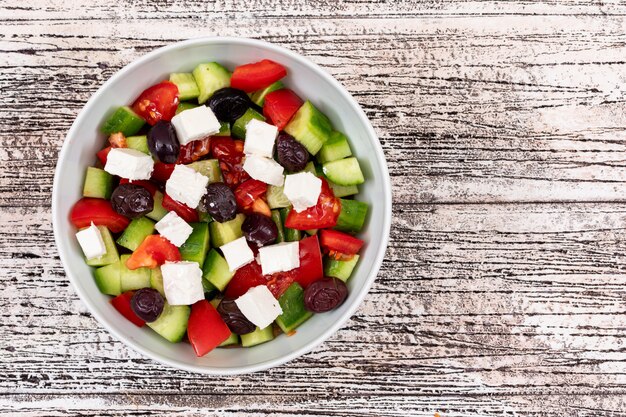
[163,142]
[291,154]
[259,229]
[325,294]
[219,201]
[147,303]
[132,200]
[234,318]
[229,104]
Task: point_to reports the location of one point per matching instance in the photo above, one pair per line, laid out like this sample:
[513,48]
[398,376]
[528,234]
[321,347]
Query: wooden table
[502,291]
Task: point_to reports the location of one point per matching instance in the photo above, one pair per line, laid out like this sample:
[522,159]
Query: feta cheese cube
[186,186]
[264,169]
[182,282]
[237,253]
[302,190]
[91,242]
[129,163]
[280,257]
[259,306]
[174,228]
[260,138]
[194,124]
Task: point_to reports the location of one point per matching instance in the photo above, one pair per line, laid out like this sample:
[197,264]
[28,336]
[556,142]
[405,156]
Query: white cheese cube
[264,169]
[186,185]
[302,190]
[237,253]
[129,163]
[182,283]
[259,306]
[260,138]
[194,124]
[174,228]
[280,257]
[91,242]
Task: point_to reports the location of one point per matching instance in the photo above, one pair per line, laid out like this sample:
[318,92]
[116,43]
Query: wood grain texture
[502,291]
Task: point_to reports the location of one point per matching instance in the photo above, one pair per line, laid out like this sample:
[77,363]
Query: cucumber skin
[257,337]
[352,216]
[337,147]
[210,78]
[310,127]
[258,97]
[291,235]
[280,237]
[344,171]
[182,106]
[124,120]
[340,269]
[98,183]
[294,312]
[197,244]
[238,129]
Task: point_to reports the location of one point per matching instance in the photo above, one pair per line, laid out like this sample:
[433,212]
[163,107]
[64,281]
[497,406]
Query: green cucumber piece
[238,129]
[276,198]
[210,168]
[172,323]
[124,120]
[195,247]
[258,97]
[139,143]
[344,171]
[133,279]
[98,183]
[216,271]
[108,278]
[224,129]
[156,280]
[291,235]
[158,211]
[340,269]
[182,106]
[280,237]
[111,254]
[135,233]
[352,216]
[343,190]
[337,147]
[310,127]
[310,167]
[205,217]
[294,312]
[216,301]
[257,337]
[210,78]
[208,288]
[232,340]
[222,233]
[312,232]
[186,83]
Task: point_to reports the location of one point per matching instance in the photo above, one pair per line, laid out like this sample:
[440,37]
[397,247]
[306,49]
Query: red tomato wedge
[122,304]
[148,185]
[246,277]
[184,211]
[206,330]
[158,102]
[103,154]
[280,106]
[252,77]
[154,251]
[229,153]
[311,267]
[324,214]
[249,195]
[162,171]
[333,240]
[98,211]
[194,150]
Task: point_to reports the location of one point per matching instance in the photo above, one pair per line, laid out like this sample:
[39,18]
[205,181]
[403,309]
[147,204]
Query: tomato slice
[324,214]
[103,154]
[280,106]
[311,267]
[343,243]
[229,153]
[158,102]
[184,211]
[148,185]
[122,304]
[206,329]
[249,195]
[246,277]
[154,251]
[258,75]
[194,150]
[99,211]
[162,171]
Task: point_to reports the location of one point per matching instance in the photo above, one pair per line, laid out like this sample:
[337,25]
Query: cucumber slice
[337,147]
[239,127]
[343,190]
[182,106]
[158,211]
[340,269]
[222,233]
[280,237]
[172,323]
[258,97]
[111,255]
[294,312]
[310,127]
[310,167]
[257,337]
[276,198]
[156,280]
[208,289]
[124,120]
[134,279]
[135,233]
[352,216]
[344,171]
[195,247]
[98,183]
[205,217]
[216,271]
[232,340]
[210,168]
[216,301]
[108,278]
[139,143]
[210,78]
[186,83]
[291,235]
[224,129]
[312,232]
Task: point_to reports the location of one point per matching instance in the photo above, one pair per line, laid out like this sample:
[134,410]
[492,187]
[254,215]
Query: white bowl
[308,80]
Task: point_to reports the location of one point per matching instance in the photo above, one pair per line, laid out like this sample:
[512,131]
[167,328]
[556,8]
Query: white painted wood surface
[502,292]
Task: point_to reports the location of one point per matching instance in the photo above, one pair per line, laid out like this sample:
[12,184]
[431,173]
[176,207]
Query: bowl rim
[355,302]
